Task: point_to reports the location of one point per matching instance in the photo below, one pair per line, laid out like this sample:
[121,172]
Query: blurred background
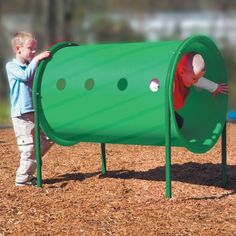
[87,22]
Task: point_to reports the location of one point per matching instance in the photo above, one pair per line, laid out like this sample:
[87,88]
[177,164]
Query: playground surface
[129,200]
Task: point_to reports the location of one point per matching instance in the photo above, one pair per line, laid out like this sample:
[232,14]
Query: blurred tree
[107,30]
[37,22]
[4,49]
[52,21]
[68,9]
[16,6]
[50,11]
[100,27]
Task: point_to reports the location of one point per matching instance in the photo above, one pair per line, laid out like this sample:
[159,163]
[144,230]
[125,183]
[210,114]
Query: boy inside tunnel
[190,71]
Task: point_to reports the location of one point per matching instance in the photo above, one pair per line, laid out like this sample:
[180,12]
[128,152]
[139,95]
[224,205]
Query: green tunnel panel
[101,93]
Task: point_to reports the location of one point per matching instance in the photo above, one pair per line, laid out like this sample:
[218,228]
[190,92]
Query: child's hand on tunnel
[43,55]
[222,88]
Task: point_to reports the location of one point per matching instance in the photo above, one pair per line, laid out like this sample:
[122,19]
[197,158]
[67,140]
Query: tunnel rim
[181,50]
[37,93]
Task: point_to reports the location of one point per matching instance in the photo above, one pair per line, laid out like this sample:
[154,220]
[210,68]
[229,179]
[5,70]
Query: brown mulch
[129,200]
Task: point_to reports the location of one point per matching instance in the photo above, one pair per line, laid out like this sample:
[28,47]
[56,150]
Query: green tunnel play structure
[103,93]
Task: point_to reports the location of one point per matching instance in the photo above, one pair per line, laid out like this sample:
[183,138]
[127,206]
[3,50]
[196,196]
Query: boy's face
[189,78]
[26,51]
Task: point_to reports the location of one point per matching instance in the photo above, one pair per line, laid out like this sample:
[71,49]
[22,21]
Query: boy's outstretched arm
[211,86]
[222,88]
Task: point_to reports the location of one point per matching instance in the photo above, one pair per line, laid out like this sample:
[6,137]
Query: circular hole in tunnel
[154,85]
[61,84]
[122,84]
[89,84]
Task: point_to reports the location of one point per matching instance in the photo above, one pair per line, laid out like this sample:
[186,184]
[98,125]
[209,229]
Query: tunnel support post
[168,154]
[103,158]
[37,145]
[224,157]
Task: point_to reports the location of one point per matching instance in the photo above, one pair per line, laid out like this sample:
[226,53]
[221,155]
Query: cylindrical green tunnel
[101,93]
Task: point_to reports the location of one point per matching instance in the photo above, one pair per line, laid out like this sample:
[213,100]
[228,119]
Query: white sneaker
[32,182]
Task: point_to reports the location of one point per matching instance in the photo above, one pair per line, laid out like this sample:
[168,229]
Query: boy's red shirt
[180,92]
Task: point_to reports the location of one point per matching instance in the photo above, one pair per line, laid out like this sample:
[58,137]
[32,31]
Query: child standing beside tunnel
[20,73]
[190,71]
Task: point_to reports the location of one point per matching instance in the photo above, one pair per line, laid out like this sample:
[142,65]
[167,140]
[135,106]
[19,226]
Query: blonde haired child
[20,73]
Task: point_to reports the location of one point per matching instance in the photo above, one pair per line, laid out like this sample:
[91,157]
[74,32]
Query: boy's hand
[222,88]
[43,55]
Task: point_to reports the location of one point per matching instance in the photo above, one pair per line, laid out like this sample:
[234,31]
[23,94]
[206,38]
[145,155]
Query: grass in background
[4,113]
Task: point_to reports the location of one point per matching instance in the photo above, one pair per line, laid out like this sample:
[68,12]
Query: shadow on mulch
[68,177]
[194,173]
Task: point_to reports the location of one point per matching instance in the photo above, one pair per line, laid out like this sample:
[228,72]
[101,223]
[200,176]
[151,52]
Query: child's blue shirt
[20,78]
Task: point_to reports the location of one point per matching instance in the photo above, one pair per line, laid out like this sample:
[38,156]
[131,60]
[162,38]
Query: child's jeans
[24,131]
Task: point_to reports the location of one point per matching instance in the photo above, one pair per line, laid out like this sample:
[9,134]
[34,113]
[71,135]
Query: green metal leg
[168,156]
[168,171]
[103,158]
[224,157]
[38,149]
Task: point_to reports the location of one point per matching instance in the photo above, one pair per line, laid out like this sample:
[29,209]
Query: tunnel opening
[203,115]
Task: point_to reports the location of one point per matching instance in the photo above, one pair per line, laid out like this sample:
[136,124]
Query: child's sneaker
[32,182]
